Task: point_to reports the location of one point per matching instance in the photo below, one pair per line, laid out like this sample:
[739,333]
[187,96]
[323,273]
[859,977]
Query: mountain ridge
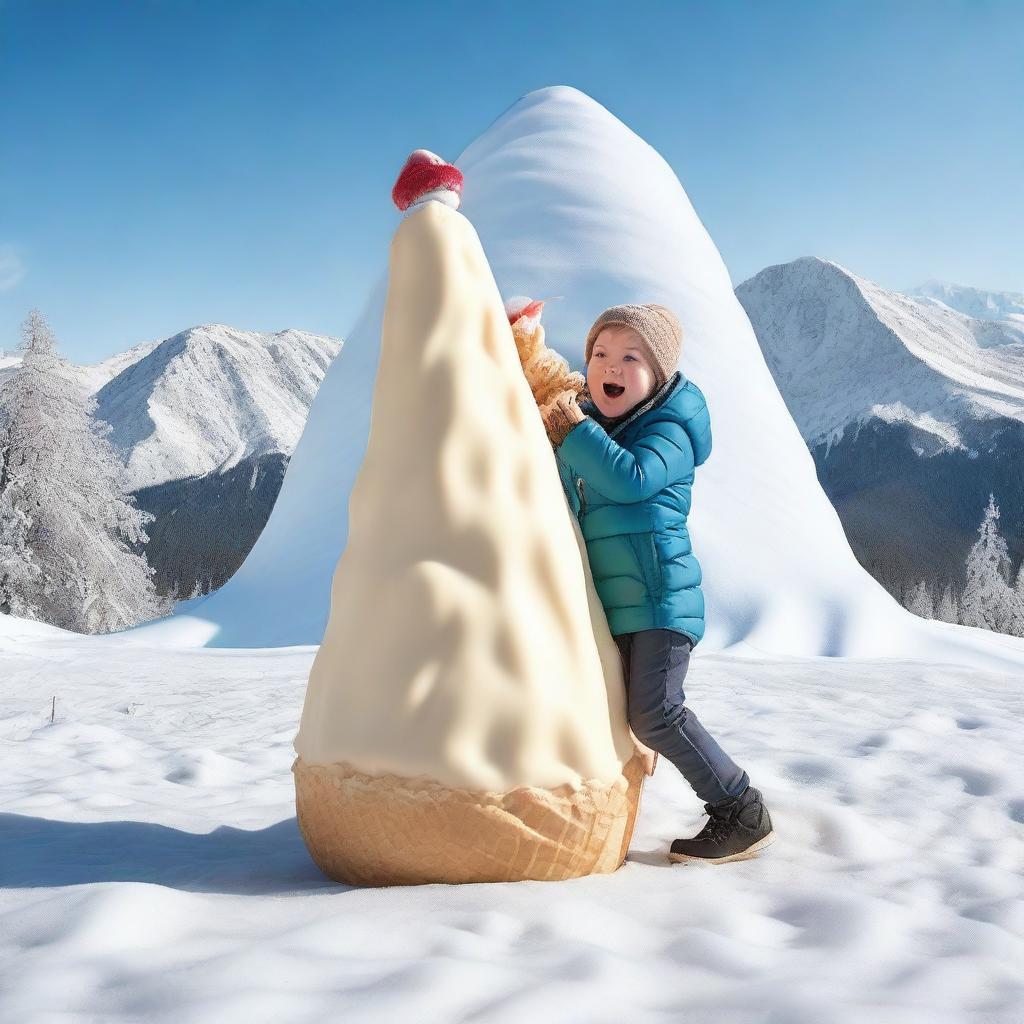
[912,412]
[843,349]
[210,396]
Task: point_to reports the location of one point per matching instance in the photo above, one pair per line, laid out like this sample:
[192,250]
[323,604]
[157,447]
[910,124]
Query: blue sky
[165,164]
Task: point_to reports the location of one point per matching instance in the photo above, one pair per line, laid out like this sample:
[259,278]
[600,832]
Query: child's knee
[652,725]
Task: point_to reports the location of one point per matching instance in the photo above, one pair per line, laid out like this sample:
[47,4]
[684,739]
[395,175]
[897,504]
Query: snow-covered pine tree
[988,600]
[19,570]
[1014,622]
[919,601]
[946,608]
[64,506]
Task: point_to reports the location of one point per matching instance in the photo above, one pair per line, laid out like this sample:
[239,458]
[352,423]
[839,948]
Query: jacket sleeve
[660,456]
[565,475]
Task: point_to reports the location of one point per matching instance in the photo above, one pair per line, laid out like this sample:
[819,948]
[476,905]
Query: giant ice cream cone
[465,714]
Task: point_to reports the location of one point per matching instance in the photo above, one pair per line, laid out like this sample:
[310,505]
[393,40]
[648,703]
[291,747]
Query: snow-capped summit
[843,350]
[212,396]
[912,411]
[974,302]
[567,200]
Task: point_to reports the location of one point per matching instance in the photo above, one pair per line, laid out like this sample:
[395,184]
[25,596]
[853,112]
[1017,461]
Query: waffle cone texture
[390,830]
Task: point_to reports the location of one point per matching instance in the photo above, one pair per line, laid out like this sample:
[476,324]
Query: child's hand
[560,415]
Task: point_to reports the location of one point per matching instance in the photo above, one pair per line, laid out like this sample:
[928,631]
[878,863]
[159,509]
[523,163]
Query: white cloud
[11,269]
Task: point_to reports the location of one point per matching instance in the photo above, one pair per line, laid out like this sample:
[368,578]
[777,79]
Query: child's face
[619,374]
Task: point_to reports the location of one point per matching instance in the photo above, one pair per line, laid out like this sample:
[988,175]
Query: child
[626,455]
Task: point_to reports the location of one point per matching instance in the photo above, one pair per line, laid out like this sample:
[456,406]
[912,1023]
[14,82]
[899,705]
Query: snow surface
[844,349]
[151,868]
[209,397]
[568,201]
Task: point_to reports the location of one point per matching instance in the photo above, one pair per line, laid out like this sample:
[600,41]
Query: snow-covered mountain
[211,397]
[912,411]
[567,200]
[974,302]
[97,375]
[206,421]
[843,349]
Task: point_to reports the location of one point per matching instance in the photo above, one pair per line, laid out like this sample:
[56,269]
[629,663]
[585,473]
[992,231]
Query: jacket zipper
[583,497]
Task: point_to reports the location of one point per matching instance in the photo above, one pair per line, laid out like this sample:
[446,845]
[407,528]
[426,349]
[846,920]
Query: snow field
[152,869]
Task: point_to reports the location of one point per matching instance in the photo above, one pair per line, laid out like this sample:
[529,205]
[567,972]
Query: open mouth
[613,390]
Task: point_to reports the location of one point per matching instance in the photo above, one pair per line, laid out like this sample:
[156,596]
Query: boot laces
[716,828]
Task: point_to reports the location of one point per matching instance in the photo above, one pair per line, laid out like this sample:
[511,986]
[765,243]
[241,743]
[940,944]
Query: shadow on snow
[273,861]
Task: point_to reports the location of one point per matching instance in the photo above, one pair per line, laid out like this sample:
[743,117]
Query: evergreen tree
[988,600]
[919,600]
[66,517]
[19,570]
[947,608]
[1014,621]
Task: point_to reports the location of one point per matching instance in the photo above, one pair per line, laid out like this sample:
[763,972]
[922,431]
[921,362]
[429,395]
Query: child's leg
[658,661]
[649,756]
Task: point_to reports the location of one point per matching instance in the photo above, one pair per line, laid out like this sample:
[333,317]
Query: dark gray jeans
[654,663]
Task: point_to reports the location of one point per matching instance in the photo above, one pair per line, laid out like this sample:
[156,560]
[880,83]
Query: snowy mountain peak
[974,302]
[212,395]
[843,349]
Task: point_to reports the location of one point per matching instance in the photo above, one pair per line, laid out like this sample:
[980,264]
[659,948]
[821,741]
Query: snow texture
[151,868]
[568,201]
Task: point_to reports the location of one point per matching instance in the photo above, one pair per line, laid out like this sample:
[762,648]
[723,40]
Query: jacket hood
[679,398]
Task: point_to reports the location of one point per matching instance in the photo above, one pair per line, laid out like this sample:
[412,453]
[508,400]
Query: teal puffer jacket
[630,490]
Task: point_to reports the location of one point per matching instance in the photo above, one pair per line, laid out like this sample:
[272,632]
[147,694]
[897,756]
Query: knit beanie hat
[657,326]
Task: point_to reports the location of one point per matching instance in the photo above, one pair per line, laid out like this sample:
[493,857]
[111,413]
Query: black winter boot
[737,829]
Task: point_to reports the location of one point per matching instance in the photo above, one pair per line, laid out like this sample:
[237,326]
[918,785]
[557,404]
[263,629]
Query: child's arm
[546,371]
[661,455]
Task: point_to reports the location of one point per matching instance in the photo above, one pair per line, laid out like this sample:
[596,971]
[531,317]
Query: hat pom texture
[426,172]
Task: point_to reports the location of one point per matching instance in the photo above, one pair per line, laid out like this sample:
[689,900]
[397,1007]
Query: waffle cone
[392,830]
